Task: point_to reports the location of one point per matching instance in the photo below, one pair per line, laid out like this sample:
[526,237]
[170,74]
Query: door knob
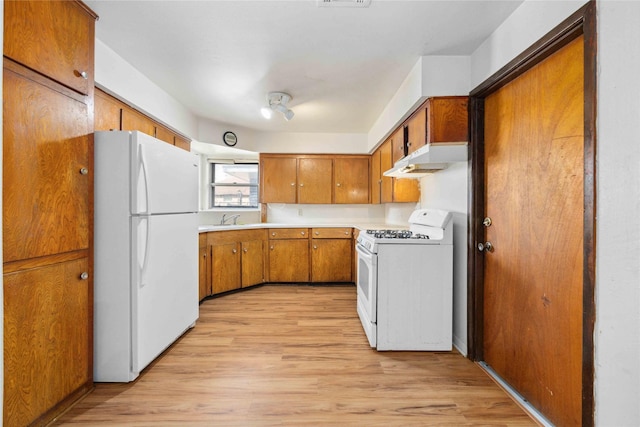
[485,247]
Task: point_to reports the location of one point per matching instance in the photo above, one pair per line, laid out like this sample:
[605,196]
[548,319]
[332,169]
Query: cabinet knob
[273,234]
[338,185]
[244,250]
[84,275]
[293,184]
[317,233]
[84,171]
[235,251]
[302,232]
[271,247]
[346,233]
[84,75]
[315,247]
[301,185]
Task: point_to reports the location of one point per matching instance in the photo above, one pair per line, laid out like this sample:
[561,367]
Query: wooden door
[134,120]
[534,168]
[289,260]
[351,177]
[397,145]
[225,268]
[314,180]
[252,262]
[47,337]
[204,267]
[278,179]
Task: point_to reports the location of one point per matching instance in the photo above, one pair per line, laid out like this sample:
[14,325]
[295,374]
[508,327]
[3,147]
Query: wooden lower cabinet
[47,336]
[289,257]
[331,254]
[236,260]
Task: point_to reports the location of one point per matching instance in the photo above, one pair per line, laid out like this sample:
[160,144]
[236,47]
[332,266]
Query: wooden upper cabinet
[278,182]
[314,179]
[417,130]
[376,178]
[397,145]
[183,143]
[351,177]
[107,112]
[386,162]
[48,173]
[447,119]
[164,134]
[35,38]
[134,120]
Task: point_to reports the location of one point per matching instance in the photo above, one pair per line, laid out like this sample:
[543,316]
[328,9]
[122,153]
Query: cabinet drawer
[331,233]
[288,233]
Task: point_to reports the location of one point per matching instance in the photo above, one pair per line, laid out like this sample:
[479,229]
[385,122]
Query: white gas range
[405,283]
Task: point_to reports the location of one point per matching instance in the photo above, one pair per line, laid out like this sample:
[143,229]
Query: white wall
[447,189]
[118,77]
[430,76]
[617,332]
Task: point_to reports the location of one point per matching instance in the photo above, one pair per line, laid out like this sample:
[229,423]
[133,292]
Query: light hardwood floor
[296,356]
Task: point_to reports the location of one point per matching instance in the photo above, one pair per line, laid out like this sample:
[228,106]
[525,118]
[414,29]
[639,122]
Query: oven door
[367,284]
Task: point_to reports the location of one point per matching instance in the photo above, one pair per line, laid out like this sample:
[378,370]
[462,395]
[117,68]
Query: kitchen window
[234,185]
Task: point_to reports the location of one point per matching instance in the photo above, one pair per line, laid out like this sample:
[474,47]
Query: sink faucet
[224,219]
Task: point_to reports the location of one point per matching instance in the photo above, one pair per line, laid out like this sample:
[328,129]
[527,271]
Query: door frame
[582,22]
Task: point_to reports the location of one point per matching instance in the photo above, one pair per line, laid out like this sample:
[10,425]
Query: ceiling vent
[343,3]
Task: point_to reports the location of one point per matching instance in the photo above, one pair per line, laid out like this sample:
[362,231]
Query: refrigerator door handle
[143,166]
[142,267]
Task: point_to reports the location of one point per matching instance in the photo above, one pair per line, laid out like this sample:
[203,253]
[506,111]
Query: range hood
[428,159]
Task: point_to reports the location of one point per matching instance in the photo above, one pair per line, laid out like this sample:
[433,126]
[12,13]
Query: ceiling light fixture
[277,102]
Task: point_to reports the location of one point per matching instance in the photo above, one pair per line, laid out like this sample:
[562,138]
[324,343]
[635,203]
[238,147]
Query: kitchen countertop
[361,226]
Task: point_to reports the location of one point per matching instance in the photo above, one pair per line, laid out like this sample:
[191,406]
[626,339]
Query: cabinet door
[55,38]
[107,112]
[386,162]
[47,337]
[331,260]
[183,143]
[314,180]
[225,269]
[278,179]
[351,178]
[376,178]
[47,170]
[289,260]
[164,134]
[397,145]
[133,120]
[417,130]
[252,263]
[447,119]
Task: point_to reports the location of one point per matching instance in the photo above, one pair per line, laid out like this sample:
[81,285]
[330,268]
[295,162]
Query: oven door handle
[364,252]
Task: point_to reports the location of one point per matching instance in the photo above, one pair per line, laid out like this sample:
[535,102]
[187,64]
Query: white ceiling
[341,65]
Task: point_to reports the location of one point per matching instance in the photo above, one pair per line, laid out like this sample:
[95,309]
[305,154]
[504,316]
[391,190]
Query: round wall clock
[230,138]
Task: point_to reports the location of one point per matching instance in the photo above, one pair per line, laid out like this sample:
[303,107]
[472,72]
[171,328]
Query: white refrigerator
[145,251]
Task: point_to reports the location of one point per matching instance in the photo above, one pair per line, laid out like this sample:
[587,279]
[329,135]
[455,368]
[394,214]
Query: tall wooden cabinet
[47,207]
